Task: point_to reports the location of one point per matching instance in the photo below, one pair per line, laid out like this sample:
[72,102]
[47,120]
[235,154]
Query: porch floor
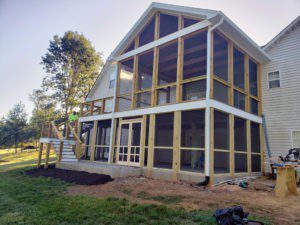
[101,168]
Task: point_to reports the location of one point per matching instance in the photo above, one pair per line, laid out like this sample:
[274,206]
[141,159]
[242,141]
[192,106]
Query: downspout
[111,144]
[207,108]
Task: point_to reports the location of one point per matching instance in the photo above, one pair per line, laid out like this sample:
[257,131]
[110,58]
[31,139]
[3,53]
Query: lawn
[28,200]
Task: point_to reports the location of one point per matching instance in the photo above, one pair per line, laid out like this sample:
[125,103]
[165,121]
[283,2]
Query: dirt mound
[77,177]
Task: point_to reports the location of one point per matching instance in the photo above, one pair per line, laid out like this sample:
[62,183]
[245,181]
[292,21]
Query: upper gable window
[130,47]
[189,22]
[220,57]
[274,79]
[168,24]
[145,70]
[147,35]
[253,77]
[238,69]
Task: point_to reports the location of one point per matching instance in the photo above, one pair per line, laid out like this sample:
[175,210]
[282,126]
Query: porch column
[40,155]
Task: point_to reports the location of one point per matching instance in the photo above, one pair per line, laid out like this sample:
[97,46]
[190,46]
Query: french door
[129,139]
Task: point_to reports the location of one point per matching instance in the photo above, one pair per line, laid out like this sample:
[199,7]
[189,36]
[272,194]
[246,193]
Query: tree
[72,66]
[13,129]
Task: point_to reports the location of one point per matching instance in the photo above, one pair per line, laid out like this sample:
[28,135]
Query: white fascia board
[96,117]
[163,109]
[168,38]
[235,111]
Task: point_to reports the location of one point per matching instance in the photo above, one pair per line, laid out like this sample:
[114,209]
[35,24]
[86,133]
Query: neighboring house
[281,90]
[179,98]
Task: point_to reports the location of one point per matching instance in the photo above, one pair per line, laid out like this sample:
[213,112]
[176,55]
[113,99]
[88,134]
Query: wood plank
[112,141]
[246,65]
[40,155]
[179,69]
[151,142]
[262,148]
[248,124]
[134,81]
[154,76]
[94,137]
[143,140]
[231,143]
[47,155]
[230,73]
[211,65]
[156,29]
[176,144]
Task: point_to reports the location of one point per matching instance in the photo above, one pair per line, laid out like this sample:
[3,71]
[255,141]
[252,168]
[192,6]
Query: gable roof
[227,27]
[295,23]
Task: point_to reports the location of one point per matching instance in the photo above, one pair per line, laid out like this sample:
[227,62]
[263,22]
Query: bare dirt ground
[258,199]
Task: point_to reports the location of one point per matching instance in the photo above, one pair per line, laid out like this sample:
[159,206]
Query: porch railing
[96,107]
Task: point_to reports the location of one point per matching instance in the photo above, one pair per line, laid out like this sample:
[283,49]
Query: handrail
[56,131]
[74,133]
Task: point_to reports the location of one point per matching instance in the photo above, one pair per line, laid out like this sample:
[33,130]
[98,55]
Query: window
[108,104]
[238,69]
[168,24]
[189,22]
[194,59]
[194,90]
[167,65]
[124,103]
[220,57]
[253,106]
[111,84]
[145,70]
[296,139]
[147,35]
[143,99]
[126,77]
[192,128]
[253,77]
[274,79]
[166,95]
[221,130]
[239,100]
[163,149]
[255,147]
[240,135]
[220,92]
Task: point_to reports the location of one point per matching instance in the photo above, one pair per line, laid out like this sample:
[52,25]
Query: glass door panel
[124,141]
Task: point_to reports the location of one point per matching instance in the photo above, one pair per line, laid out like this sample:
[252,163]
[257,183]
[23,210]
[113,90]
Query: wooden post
[230,73]
[151,143]
[102,105]
[134,81]
[67,130]
[262,148]
[61,146]
[143,140]
[248,123]
[91,108]
[231,143]
[211,94]
[179,69]
[112,141]
[78,147]
[47,155]
[40,155]
[94,137]
[154,76]
[247,87]
[176,145]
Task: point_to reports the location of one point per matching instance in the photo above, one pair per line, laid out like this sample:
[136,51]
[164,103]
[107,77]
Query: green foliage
[72,66]
[13,128]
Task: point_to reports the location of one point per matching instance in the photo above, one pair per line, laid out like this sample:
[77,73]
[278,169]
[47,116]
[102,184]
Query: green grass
[33,201]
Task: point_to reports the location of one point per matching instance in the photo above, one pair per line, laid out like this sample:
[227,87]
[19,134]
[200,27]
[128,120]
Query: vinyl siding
[281,106]
[102,89]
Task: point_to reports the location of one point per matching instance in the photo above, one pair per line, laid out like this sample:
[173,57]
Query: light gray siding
[102,89]
[281,106]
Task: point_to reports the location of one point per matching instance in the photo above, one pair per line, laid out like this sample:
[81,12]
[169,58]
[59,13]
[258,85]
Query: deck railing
[96,107]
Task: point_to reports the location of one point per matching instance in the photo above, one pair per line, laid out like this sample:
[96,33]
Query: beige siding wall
[281,106]
[102,89]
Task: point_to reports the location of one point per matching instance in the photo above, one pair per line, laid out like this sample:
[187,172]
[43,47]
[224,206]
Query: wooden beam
[262,148]
[246,66]
[248,124]
[61,146]
[78,147]
[176,145]
[230,73]
[94,137]
[47,155]
[92,108]
[231,143]
[40,155]
[117,88]
[112,141]
[134,81]
[143,140]
[151,142]
[156,31]
[154,76]
[179,69]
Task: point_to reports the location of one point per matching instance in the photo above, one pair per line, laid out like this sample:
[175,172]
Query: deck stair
[68,154]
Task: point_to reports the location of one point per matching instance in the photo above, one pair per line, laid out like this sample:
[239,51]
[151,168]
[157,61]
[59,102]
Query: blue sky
[27,26]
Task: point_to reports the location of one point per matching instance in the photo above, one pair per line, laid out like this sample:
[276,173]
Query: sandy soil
[257,199]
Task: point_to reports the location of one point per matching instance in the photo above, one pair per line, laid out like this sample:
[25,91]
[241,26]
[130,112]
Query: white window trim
[292,141]
[280,84]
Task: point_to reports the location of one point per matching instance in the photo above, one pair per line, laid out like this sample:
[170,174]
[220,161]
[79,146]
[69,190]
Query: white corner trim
[165,39]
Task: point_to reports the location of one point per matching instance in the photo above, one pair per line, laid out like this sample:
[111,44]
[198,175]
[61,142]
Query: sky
[26,27]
